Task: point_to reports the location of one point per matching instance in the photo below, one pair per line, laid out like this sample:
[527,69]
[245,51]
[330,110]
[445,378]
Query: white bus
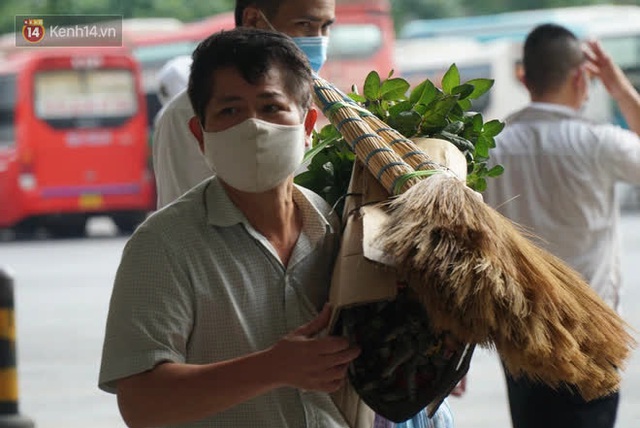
[617,28]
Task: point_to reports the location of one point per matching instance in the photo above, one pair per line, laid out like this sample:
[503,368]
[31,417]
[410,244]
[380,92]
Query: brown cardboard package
[357,280]
[362,274]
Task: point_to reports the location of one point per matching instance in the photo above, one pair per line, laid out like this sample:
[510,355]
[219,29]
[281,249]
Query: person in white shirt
[177,164]
[559,183]
[173,78]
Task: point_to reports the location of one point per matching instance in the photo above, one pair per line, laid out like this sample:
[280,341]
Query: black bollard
[9,415]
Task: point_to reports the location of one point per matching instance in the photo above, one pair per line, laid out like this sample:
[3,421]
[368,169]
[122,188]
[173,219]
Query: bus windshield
[85,98]
[7,108]
[342,46]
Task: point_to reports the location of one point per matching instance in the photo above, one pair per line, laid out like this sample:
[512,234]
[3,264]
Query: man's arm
[174,393]
[616,83]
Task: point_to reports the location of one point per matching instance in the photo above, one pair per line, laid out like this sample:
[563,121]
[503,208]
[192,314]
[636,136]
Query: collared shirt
[178,164]
[559,182]
[198,284]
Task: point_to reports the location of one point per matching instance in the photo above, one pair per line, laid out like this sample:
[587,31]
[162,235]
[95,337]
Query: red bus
[73,140]
[362,40]
[153,49]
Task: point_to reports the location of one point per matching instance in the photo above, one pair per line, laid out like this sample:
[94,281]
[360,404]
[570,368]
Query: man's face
[234,100]
[299,18]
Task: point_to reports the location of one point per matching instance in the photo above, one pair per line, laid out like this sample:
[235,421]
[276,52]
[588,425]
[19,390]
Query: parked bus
[73,140]
[617,27]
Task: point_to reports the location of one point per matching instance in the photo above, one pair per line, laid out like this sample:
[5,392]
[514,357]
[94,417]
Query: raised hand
[600,64]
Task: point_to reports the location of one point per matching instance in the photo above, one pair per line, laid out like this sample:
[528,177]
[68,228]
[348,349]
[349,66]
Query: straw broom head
[482,279]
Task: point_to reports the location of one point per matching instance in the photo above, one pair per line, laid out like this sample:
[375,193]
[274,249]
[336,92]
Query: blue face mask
[315,48]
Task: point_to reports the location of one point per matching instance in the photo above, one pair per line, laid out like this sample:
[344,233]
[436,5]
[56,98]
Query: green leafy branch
[424,111]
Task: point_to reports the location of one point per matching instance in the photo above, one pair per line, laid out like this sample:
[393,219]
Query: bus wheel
[127,222]
[73,227]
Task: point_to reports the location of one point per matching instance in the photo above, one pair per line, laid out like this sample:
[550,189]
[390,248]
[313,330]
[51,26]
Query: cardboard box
[364,277]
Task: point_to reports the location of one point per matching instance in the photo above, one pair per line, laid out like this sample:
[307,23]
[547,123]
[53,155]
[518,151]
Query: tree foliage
[403,10]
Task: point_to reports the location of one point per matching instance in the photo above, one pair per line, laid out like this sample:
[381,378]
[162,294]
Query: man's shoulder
[545,113]
[187,213]
[322,206]
[316,200]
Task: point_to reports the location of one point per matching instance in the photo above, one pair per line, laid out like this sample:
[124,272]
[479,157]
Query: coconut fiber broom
[479,275]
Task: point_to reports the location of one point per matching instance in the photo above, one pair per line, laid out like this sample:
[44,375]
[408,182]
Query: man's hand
[600,64]
[616,82]
[460,388]
[305,361]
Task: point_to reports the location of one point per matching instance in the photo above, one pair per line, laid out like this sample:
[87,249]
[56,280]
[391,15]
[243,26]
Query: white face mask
[255,155]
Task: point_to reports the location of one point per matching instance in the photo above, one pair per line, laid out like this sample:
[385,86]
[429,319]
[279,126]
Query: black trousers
[534,405]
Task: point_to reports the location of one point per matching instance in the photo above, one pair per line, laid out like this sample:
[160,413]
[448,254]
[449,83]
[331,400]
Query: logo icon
[33,30]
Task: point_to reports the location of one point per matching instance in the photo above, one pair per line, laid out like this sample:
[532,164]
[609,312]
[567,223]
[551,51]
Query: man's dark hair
[551,52]
[268,7]
[252,53]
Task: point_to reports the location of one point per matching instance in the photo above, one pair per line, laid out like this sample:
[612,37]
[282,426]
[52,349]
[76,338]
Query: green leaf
[492,128]
[451,79]
[436,116]
[372,86]
[424,93]
[481,185]
[319,146]
[463,90]
[390,73]
[310,180]
[480,87]
[465,104]
[327,131]
[455,127]
[482,147]
[394,110]
[495,171]
[357,97]
[477,122]
[462,144]
[405,122]
[456,112]
[394,89]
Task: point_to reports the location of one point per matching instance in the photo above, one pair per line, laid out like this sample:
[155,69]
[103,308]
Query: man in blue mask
[178,165]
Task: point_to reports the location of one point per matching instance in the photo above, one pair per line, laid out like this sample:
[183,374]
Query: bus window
[341,45]
[85,98]
[7,110]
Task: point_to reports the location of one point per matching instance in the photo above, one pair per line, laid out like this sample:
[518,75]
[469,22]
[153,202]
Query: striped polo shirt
[198,284]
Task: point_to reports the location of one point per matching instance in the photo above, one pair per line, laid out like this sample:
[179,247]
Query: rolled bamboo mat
[404,147]
[380,159]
